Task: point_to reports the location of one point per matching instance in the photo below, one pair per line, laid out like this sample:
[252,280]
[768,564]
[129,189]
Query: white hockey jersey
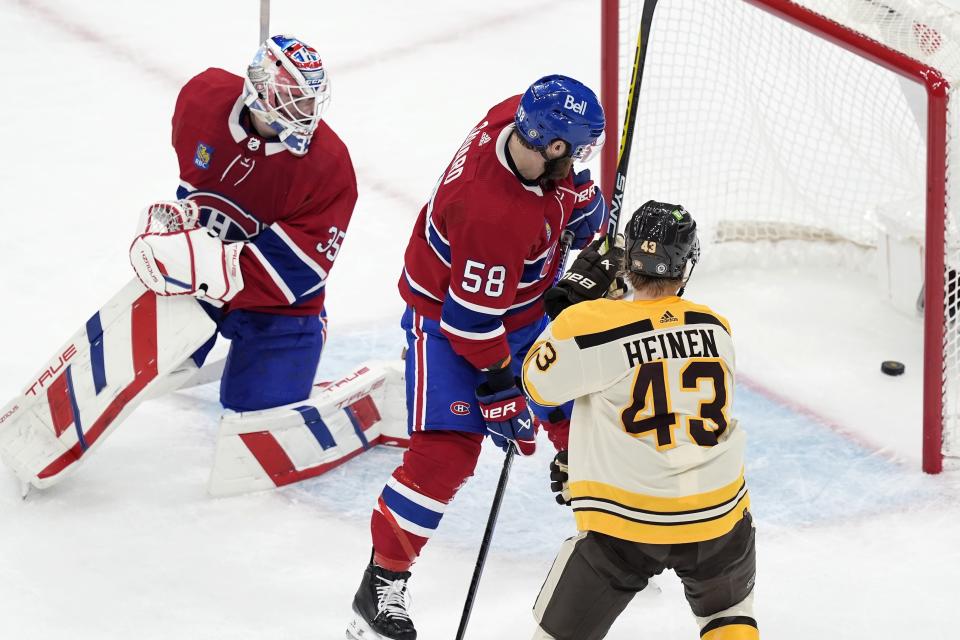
[654,454]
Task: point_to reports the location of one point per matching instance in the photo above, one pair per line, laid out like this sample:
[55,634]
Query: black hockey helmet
[661,240]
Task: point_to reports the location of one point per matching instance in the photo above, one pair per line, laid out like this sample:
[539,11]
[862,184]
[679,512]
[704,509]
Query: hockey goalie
[266,193]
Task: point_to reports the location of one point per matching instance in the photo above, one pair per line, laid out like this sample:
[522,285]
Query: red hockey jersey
[484,249]
[293,212]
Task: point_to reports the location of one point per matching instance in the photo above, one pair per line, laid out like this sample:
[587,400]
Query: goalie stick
[264,20]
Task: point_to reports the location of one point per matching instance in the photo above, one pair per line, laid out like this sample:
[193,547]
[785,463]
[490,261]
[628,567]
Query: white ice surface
[853,541]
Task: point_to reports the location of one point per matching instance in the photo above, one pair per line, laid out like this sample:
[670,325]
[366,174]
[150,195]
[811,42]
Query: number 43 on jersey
[697,400]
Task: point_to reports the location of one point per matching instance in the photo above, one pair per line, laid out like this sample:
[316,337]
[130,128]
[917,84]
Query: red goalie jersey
[484,249]
[292,212]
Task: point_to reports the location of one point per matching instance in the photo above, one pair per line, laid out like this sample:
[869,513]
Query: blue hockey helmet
[560,107]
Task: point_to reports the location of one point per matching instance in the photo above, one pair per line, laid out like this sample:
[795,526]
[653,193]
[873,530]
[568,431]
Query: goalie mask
[287,87]
[661,241]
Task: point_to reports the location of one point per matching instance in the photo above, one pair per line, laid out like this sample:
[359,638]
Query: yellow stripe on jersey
[631,500]
[625,529]
[597,316]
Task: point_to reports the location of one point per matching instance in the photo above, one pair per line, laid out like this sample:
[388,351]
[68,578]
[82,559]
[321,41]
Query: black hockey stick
[485,544]
[630,117]
[566,241]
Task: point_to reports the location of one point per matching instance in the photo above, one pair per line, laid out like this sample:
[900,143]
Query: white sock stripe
[415,496]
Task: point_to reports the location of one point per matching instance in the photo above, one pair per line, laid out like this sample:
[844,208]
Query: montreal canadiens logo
[225,218]
[303,57]
[460,408]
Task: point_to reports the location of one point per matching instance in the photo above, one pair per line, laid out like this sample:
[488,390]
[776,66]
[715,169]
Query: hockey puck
[892,367]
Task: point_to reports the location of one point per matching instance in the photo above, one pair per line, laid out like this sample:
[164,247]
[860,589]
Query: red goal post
[914,52]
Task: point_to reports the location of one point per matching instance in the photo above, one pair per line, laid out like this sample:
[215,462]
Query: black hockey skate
[380,607]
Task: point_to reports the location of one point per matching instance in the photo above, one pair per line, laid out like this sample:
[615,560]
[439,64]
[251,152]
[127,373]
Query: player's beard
[556,169]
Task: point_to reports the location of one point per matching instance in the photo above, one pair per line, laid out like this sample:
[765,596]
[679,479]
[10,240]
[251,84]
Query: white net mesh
[771,135]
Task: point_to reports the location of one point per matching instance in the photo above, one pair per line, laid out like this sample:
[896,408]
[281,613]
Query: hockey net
[799,124]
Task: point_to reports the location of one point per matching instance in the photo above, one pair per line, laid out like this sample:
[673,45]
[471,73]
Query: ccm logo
[507,410]
[460,408]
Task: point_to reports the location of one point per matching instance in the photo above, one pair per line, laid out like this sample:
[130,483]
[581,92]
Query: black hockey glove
[560,479]
[588,278]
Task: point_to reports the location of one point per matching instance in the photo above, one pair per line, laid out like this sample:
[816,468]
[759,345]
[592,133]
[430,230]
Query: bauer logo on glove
[505,411]
[594,274]
[501,411]
[579,279]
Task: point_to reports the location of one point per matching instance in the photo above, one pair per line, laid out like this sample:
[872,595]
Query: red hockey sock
[412,503]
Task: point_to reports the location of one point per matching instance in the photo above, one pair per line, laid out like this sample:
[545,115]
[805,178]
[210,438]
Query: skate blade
[358,629]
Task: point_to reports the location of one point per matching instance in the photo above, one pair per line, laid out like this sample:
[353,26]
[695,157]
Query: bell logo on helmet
[559,107]
[577,107]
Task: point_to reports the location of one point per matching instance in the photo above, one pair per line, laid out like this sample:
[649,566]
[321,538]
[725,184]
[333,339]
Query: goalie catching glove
[177,258]
[594,274]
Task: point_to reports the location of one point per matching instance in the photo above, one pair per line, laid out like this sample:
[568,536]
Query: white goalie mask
[287,88]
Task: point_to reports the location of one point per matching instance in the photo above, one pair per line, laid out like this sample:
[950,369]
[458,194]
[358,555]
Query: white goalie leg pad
[96,379]
[258,450]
